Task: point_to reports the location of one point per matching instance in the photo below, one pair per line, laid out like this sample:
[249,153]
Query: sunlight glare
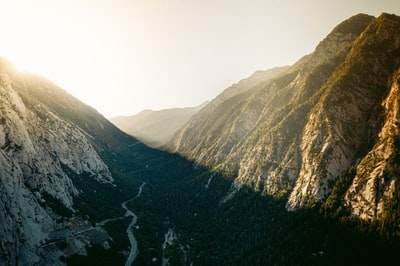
[54,53]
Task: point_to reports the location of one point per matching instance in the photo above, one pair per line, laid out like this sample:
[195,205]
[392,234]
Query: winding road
[134,250]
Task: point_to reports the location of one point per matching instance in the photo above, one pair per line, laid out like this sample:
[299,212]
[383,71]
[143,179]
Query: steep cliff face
[37,144]
[347,114]
[374,189]
[294,134]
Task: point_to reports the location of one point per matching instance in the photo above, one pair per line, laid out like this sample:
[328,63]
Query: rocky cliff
[37,144]
[374,190]
[292,135]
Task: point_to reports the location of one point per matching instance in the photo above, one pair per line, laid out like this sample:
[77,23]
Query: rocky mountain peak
[313,122]
[340,37]
[353,25]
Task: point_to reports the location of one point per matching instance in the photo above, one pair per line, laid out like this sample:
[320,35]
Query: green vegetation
[257,230]
[249,229]
[174,253]
[97,256]
[151,229]
[56,205]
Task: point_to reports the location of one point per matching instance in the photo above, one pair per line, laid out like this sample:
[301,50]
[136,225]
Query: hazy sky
[123,56]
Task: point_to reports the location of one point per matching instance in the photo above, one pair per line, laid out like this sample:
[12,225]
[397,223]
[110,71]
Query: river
[134,250]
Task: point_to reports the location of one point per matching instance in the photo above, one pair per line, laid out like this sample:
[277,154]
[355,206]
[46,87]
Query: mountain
[207,124]
[55,151]
[293,135]
[298,168]
[155,128]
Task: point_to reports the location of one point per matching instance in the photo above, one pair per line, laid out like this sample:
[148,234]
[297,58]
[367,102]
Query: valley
[296,165]
[134,250]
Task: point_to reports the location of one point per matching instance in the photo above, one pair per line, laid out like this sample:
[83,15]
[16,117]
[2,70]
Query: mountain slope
[205,132]
[155,128]
[293,135]
[374,190]
[47,138]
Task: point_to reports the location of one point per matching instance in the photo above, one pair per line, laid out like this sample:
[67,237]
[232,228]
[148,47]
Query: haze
[124,56]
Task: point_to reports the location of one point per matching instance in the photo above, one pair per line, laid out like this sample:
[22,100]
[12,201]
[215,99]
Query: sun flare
[73,44]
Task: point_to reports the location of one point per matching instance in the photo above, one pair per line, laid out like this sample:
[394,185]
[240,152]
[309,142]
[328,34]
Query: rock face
[376,183]
[155,128]
[293,134]
[207,132]
[37,144]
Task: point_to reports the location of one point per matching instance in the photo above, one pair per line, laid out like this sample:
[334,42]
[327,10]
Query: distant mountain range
[295,165]
[155,128]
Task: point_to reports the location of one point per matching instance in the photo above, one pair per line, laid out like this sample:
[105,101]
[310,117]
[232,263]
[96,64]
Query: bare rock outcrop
[36,147]
[294,134]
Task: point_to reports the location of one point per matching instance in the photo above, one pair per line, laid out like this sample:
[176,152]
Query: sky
[124,56]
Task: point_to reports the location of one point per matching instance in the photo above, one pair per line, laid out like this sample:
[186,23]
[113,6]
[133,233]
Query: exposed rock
[296,133]
[36,146]
[377,174]
[347,113]
[211,133]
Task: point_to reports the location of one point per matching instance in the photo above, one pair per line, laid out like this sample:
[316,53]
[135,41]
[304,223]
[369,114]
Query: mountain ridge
[48,138]
[296,144]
